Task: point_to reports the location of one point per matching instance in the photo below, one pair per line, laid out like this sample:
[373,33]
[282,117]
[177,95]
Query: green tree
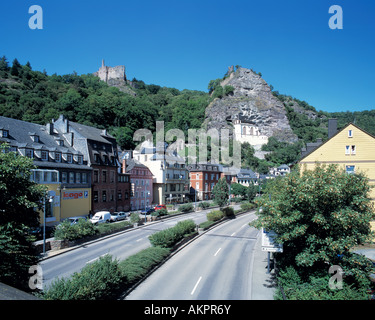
[221,192]
[19,197]
[319,217]
[238,190]
[251,192]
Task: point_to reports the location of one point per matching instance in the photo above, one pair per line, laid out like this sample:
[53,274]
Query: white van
[101,217]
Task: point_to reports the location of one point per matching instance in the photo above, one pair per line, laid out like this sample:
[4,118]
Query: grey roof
[91,133]
[131,163]
[246,173]
[20,137]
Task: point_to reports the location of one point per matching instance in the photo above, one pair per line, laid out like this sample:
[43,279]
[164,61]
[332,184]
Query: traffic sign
[268,241]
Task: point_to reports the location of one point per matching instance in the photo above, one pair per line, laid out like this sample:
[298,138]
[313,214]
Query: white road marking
[196,285]
[138,239]
[92,260]
[232,234]
[217,252]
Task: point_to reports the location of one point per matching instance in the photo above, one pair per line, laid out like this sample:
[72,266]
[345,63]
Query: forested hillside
[34,96]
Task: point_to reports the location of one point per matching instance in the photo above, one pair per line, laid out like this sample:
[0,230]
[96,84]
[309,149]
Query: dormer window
[4,133]
[69,158]
[34,137]
[29,153]
[58,157]
[45,155]
[80,159]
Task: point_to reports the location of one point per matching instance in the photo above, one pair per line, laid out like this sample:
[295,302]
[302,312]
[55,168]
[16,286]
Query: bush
[215,215]
[134,217]
[187,207]
[206,224]
[204,205]
[136,266]
[159,213]
[83,228]
[314,288]
[247,206]
[96,281]
[169,237]
[228,212]
[107,228]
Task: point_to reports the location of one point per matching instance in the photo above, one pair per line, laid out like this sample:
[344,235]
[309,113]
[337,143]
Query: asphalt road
[216,266]
[119,246]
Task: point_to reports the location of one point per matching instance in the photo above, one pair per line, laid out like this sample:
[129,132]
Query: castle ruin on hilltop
[106,73]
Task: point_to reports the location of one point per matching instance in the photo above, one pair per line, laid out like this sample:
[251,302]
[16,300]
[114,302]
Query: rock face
[251,111]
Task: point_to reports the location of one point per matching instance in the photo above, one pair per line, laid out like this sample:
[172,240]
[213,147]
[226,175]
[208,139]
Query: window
[64,177]
[353,150]
[350,169]
[96,196]
[96,176]
[347,149]
[80,159]
[104,196]
[44,155]
[96,158]
[350,133]
[69,158]
[206,176]
[119,195]
[5,133]
[112,196]
[78,177]
[71,177]
[29,153]
[58,157]
[112,176]
[84,177]
[104,176]
[126,195]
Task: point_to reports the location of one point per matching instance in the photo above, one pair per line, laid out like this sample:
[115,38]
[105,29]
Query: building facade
[141,180]
[203,178]
[110,186]
[170,176]
[62,168]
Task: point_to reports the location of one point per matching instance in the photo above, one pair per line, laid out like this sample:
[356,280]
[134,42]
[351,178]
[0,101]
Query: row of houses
[85,171]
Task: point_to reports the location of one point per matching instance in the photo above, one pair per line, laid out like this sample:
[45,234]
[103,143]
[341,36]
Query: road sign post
[269,245]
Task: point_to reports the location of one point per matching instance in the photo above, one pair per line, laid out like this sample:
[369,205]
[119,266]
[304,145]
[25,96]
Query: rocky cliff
[250,110]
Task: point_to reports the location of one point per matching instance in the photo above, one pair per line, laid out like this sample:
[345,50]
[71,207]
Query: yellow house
[352,148]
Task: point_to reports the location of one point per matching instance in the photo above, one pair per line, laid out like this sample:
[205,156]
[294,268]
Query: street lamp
[50,199]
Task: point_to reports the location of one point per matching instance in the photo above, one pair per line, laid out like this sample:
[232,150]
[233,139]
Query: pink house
[141,179]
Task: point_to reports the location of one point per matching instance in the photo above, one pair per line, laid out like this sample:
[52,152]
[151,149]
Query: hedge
[169,237]
[215,215]
[138,265]
[104,278]
[96,281]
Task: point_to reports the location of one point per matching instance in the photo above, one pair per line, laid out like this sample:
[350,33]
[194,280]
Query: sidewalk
[263,285]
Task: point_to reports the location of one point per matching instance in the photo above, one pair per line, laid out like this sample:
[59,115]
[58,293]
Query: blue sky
[185,44]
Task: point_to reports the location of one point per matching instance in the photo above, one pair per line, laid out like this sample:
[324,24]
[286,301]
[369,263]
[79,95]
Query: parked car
[101,217]
[74,220]
[117,216]
[38,232]
[160,206]
[148,211]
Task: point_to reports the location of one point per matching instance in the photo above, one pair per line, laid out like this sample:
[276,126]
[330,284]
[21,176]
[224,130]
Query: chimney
[49,127]
[123,165]
[332,127]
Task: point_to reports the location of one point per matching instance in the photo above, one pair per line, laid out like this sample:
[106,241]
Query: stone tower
[107,74]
